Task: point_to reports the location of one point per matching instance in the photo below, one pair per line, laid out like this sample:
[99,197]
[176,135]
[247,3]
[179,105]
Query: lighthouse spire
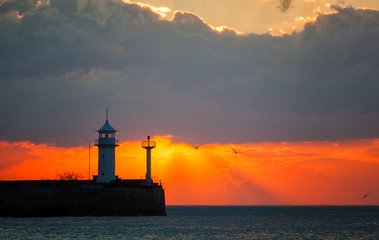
[106,113]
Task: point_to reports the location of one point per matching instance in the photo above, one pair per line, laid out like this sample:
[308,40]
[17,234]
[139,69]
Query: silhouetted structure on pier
[104,195]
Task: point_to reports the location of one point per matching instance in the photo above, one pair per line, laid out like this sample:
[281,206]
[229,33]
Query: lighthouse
[107,144]
[148,145]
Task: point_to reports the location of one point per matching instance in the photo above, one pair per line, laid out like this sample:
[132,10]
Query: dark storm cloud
[62,63]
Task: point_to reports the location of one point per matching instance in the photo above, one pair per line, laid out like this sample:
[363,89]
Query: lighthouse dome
[107,128]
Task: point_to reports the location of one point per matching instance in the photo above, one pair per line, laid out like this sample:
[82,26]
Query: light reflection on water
[196,222]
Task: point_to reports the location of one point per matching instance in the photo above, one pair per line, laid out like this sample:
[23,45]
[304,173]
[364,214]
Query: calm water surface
[203,222]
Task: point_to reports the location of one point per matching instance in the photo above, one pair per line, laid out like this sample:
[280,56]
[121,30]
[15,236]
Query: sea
[208,222]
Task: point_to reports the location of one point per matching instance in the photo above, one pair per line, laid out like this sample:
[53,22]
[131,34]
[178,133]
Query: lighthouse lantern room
[107,144]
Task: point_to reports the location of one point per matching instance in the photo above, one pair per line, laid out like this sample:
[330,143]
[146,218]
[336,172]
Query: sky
[294,173]
[290,84]
[256,16]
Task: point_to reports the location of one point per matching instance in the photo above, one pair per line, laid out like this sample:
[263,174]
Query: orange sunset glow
[259,173]
[267,16]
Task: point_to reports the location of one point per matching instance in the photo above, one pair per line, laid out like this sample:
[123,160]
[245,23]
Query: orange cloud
[26,160]
[162,11]
[259,173]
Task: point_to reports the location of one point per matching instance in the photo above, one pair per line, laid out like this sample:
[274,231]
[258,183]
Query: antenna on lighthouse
[106,113]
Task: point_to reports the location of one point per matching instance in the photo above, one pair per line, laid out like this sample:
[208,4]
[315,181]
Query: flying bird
[234,150]
[365,196]
[195,147]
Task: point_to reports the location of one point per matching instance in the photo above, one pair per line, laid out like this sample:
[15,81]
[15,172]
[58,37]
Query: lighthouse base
[105,178]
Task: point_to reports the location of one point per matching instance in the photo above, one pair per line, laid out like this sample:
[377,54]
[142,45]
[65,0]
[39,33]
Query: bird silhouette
[234,150]
[195,147]
[365,196]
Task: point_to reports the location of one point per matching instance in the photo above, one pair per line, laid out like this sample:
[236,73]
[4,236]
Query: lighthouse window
[106,135]
[103,155]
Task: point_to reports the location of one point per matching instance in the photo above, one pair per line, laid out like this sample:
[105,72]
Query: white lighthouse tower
[107,144]
[148,145]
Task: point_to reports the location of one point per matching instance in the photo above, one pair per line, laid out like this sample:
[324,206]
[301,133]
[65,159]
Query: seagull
[234,150]
[195,147]
[365,196]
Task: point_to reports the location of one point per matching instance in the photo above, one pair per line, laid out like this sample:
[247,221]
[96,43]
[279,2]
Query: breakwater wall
[47,198]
